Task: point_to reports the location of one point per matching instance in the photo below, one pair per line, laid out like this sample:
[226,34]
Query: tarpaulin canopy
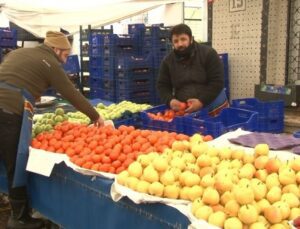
[39,16]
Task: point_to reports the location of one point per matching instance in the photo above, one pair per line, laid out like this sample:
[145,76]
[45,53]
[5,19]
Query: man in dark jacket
[191,73]
[30,71]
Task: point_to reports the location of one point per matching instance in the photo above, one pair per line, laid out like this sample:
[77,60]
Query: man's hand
[175,104]
[99,122]
[193,105]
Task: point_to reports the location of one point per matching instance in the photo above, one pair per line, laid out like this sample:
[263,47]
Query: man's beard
[184,53]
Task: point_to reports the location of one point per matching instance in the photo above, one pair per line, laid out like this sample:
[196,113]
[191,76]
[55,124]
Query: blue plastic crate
[8,37]
[136,29]
[270,125]
[266,109]
[112,39]
[134,94]
[134,62]
[100,93]
[135,83]
[105,72]
[158,32]
[228,120]
[102,61]
[102,83]
[106,51]
[135,72]
[72,65]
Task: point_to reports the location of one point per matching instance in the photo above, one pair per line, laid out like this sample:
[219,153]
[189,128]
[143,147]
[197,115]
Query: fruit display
[104,149]
[228,188]
[122,110]
[168,115]
[47,121]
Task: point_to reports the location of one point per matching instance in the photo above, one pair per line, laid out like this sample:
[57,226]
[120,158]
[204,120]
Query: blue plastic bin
[135,82]
[72,65]
[8,37]
[267,109]
[228,120]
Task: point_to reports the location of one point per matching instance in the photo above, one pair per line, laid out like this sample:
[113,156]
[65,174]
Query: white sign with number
[237,5]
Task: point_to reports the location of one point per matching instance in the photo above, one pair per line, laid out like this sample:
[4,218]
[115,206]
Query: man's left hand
[193,105]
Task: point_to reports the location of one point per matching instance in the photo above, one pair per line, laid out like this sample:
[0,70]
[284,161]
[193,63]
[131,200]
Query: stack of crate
[8,41]
[154,41]
[103,53]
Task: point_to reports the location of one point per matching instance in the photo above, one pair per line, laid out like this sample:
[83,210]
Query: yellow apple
[195,192]
[212,151]
[287,176]
[238,154]
[192,167]
[205,171]
[257,225]
[260,162]
[198,149]
[263,204]
[167,178]
[248,214]
[273,165]
[191,180]
[203,212]
[273,214]
[291,199]
[144,160]
[232,208]
[179,145]
[171,191]
[217,219]
[203,161]
[261,174]
[243,195]
[132,182]
[274,194]
[225,153]
[263,220]
[150,174]
[226,196]
[160,164]
[248,158]
[122,176]
[277,226]
[142,186]
[176,172]
[247,171]
[296,164]
[284,208]
[188,158]
[177,163]
[135,169]
[197,203]
[259,189]
[295,213]
[233,223]
[184,193]
[261,149]
[207,181]
[223,184]
[156,189]
[293,188]
[272,180]
[196,138]
[298,177]
[210,196]
[236,163]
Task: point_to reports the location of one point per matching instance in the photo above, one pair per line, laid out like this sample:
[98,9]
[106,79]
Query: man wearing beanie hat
[24,75]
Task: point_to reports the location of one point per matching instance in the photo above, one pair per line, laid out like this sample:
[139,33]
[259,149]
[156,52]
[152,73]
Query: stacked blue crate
[224,59]
[154,41]
[134,78]
[103,51]
[8,38]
